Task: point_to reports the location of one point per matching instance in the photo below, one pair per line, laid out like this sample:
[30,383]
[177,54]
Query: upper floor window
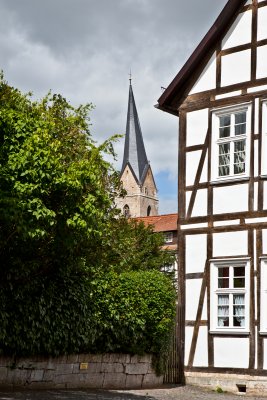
[231,143]
[230,296]
[168,237]
[148,212]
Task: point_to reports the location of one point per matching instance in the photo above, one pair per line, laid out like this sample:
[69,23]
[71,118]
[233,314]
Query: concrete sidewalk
[166,393]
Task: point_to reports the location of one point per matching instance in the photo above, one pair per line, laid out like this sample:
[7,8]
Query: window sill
[230,332]
[230,179]
[263,333]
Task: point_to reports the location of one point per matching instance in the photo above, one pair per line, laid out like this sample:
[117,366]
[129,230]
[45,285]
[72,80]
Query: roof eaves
[179,83]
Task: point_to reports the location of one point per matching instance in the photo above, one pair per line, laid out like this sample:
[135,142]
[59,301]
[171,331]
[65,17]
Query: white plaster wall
[230,199]
[231,352]
[261,62]
[256,158]
[256,120]
[197,126]
[204,175]
[207,79]
[192,162]
[262,26]
[265,195]
[204,315]
[256,188]
[240,32]
[231,74]
[230,244]
[193,287]
[200,203]
[264,241]
[201,354]
[195,253]
[188,340]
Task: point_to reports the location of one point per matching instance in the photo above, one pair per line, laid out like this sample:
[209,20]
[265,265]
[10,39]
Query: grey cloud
[84,50]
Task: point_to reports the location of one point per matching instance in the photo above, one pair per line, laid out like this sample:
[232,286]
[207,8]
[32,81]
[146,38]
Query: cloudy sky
[84,49]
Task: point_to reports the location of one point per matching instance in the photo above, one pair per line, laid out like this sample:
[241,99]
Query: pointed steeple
[134,149]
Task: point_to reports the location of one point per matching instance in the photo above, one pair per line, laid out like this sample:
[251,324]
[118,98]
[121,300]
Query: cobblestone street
[167,393]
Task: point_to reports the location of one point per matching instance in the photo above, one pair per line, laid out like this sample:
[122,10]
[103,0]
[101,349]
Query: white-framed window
[168,237]
[264,139]
[263,301]
[231,129]
[229,295]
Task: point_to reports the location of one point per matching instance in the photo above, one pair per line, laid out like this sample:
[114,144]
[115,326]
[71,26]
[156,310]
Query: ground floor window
[229,295]
[263,308]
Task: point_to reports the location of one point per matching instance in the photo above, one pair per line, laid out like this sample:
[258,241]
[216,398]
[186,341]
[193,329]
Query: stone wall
[107,371]
[229,382]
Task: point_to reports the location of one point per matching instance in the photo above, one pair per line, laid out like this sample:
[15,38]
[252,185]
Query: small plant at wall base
[67,285]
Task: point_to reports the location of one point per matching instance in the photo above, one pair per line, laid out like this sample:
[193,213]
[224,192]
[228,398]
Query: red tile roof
[161,223]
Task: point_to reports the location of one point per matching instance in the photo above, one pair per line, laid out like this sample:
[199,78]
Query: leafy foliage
[74,276]
[131,312]
[56,190]
[132,246]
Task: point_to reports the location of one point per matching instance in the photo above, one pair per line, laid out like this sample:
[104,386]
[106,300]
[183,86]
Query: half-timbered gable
[220,96]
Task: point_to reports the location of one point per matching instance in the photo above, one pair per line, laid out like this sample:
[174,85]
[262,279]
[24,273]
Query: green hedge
[131,312]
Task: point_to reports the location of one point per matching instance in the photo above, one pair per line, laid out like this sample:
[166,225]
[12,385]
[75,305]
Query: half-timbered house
[220,96]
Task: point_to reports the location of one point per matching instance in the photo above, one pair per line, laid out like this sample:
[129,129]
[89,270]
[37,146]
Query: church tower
[136,174]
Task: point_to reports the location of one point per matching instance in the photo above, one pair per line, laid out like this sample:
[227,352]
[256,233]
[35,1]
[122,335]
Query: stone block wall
[229,382]
[101,371]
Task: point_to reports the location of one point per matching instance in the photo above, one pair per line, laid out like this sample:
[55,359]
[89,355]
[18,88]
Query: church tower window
[126,211]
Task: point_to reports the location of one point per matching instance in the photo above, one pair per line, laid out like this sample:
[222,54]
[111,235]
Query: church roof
[134,149]
[177,91]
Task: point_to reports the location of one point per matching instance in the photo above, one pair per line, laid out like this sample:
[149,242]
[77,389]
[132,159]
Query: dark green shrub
[135,313]
[132,312]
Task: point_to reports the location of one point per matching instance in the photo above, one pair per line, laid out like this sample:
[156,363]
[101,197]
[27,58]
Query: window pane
[239,310]
[239,277]
[223,272]
[225,122]
[223,277]
[223,310]
[224,159]
[240,123]
[239,156]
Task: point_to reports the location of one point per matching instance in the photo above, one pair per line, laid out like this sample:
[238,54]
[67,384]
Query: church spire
[134,149]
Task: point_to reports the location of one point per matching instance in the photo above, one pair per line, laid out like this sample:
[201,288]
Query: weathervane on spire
[130,76]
